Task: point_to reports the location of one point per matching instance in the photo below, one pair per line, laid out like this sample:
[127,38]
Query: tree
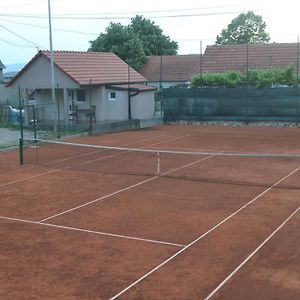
[152,37]
[123,42]
[247,28]
[134,42]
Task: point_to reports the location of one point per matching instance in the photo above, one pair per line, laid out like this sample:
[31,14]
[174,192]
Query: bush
[260,77]
[232,79]
[288,76]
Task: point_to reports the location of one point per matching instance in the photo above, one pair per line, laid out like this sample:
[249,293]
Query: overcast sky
[24,23]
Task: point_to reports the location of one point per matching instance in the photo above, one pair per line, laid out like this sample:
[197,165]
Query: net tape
[158,151]
[183,165]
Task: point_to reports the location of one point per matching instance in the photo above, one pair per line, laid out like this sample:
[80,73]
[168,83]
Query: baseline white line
[94,232]
[124,189]
[201,236]
[250,256]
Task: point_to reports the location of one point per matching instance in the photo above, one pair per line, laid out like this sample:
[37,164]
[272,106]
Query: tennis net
[221,167]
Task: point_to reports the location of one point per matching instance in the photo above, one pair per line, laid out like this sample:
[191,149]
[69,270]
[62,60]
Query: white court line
[30,177]
[201,236]
[16,171]
[250,256]
[125,189]
[56,170]
[93,232]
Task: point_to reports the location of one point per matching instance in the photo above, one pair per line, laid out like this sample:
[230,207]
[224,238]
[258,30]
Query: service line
[125,189]
[93,232]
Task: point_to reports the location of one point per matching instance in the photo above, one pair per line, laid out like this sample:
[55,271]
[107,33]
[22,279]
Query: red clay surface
[207,263]
[38,262]
[87,247]
[9,161]
[273,273]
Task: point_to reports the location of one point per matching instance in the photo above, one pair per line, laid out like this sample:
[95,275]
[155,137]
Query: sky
[24,24]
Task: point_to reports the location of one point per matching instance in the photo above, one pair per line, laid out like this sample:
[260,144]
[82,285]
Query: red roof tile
[174,67]
[260,56]
[99,67]
[219,59]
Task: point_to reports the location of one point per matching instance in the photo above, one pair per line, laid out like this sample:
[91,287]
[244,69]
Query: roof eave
[111,83]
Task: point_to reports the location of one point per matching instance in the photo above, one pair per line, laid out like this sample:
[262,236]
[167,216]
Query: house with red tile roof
[178,69]
[86,83]
[255,56]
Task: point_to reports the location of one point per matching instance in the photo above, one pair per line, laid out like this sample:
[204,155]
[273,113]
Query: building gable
[36,75]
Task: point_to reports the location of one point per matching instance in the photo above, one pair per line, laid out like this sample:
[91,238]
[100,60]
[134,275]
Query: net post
[158,163]
[21,113]
[34,121]
[21,146]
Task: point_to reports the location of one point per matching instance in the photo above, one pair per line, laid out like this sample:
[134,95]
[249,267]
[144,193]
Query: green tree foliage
[247,28]
[258,77]
[133,43]
[123,42]
[152,37]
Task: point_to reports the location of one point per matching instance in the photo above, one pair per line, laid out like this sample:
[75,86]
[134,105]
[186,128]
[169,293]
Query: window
[112,96]
[81,95]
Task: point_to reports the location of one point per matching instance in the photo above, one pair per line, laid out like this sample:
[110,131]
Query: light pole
[52,71]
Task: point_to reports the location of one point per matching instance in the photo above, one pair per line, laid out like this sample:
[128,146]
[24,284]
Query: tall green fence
[236,104]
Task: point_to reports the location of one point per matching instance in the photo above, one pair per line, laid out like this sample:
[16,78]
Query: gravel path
[10,137]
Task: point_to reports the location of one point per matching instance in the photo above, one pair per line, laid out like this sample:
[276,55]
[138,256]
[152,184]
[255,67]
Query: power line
[97,34]
[21,37]
[45,27]
[138,12]
[154,11]
[17,45]
[122,18]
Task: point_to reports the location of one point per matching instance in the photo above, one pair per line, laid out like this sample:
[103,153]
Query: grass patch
[10,126]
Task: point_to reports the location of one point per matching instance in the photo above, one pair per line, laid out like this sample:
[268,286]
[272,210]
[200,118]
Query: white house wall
[142,105]
[106,110]
[116,109]
[38,76]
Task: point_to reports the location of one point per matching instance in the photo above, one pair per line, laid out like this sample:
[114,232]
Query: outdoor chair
[91,114]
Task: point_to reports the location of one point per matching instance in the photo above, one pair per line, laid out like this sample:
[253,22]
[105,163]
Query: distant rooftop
[260,56]
[174,67]
[180,68]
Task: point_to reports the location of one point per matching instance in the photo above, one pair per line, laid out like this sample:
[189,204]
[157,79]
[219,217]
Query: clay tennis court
[189,219]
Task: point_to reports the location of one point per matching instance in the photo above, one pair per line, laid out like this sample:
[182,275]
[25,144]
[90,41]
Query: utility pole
[52,71]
